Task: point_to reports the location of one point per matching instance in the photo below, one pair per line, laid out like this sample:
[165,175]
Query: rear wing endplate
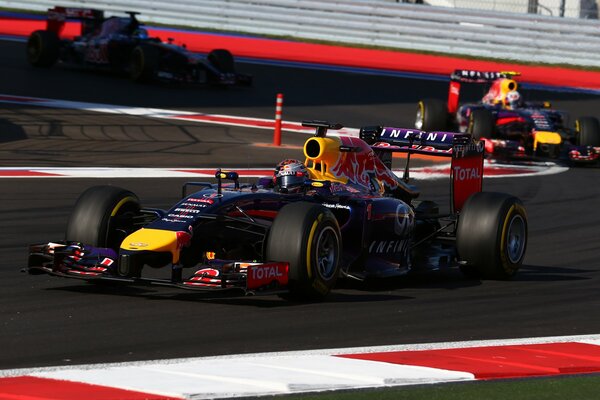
[466,173]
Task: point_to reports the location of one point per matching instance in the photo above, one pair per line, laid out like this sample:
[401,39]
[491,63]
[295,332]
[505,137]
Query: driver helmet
[290,176]
[140,33]
[512,100]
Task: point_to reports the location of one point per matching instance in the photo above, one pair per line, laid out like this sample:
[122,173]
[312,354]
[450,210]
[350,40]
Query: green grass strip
[556,388]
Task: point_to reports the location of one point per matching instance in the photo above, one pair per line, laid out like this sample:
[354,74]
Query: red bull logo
[361,166]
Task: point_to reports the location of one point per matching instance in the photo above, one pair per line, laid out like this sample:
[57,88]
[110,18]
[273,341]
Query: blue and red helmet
[290,175]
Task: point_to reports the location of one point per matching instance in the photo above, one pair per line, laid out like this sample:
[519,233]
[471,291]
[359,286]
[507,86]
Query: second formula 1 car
[511,127]
[341,212]
[122,44]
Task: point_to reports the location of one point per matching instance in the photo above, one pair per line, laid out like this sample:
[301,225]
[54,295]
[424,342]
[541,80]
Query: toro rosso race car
[122,44]
[511,127]
[341,212]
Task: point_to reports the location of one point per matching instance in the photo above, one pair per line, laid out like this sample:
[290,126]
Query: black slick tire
[144,63]
[588,129]
[481,124]
[102,216]
[307,236]
[431,115]
[222,60]
[491,236]
[43,48]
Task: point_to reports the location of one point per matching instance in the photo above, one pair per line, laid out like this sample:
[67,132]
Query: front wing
[79,261]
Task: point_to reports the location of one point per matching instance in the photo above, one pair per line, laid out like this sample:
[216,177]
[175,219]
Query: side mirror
[229,175]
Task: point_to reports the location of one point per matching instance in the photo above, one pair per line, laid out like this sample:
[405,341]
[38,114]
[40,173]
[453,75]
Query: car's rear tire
[588,129]
[431,115]
[491,236]
[307,236]
[102,216]
[481,124]
[43,48]
[144,63]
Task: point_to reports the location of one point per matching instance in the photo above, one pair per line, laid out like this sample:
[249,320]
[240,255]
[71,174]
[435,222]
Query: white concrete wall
[472,32]
[546,7]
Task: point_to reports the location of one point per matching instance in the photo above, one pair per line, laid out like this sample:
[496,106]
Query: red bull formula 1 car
[511,127]
[340,213]
[122,44]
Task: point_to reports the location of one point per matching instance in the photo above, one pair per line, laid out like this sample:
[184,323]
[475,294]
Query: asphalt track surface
[48,321]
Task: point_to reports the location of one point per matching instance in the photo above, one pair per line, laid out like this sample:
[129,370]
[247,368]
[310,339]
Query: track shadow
[346,290]
[10,132]
[539,273]
[448,279]
[228,298]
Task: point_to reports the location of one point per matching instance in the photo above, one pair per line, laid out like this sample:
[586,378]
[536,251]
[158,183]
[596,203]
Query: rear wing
[466,167]
[471,76]
[402,140]
[90,18]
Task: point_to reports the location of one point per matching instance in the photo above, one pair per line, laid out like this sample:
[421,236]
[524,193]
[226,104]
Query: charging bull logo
[362,167]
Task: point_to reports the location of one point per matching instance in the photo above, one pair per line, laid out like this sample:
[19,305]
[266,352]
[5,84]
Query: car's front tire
[144,63]
[307,236]
[588,129]
[491,236]
[102,216]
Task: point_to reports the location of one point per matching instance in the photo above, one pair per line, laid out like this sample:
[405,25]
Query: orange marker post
[278,108]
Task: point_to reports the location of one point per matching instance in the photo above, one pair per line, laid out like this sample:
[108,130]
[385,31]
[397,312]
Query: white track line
[220,119]
[492,170]
[435,172]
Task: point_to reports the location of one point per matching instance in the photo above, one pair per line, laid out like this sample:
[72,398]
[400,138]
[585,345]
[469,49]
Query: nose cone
[156,240]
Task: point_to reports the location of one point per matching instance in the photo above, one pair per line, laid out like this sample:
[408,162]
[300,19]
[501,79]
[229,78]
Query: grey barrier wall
[481,33]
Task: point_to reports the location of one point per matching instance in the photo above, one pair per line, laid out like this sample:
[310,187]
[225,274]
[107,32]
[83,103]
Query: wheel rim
[515,239]
[419,117]
[327,249]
